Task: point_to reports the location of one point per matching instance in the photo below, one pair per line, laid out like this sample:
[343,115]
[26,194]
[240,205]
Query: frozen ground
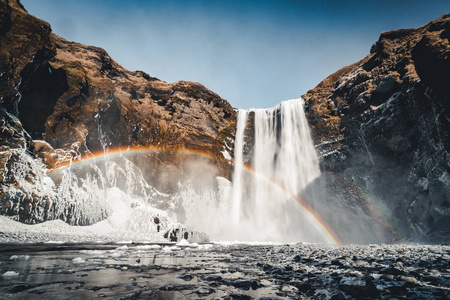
[223,271]
[58,231]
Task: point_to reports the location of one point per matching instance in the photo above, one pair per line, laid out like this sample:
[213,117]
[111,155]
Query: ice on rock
[183,243]
[10,274]
[148,247]
[20,257]
[167,249]
[78,260]
[88,195]
[92,252]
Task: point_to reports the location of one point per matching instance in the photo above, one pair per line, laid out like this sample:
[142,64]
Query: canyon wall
[382,127]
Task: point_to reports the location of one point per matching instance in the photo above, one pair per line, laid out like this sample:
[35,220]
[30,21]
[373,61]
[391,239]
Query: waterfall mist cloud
[252,53]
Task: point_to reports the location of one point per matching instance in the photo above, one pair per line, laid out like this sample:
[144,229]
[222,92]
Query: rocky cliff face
[382,126]
[62,100]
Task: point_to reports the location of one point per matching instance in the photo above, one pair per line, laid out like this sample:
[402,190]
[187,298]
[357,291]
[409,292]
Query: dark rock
[255,284]
[204,291]
[336,262]
[387,276]
[237,297]
[242,284]
[357,290]
[39,291]
[133,296]
[20,288]
[338,296]
[382,129]
[187,277]
[394,271]
[397,290]
[212,278]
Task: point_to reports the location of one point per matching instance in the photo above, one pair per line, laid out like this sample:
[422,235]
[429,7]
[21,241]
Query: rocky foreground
[224,271]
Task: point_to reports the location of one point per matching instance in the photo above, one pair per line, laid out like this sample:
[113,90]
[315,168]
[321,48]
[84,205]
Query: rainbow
[104,155]
[310,213]
[373,209]
[132,151]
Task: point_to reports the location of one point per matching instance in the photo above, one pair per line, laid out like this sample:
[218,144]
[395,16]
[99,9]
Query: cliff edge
[382,127]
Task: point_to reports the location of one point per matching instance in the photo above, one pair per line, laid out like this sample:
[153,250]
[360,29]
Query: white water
[238,165]
[284,162]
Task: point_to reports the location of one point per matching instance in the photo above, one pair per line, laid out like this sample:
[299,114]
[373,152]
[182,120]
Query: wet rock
[289,290]
[133,296]
[204,291]
[397,290]
[409,280]
[242,284]
[20,288]
[212,278]
[338,296]
[336,262]
[394,271]
[359,288]
[387,276]
[302,286]
[255,284]
[186,277]
[39,291]
[361,263]
[237,297]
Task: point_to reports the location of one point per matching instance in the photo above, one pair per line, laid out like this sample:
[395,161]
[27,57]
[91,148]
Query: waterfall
[282,162]
[238,166]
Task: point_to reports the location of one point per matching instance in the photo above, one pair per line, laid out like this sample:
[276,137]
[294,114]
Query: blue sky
[254,53]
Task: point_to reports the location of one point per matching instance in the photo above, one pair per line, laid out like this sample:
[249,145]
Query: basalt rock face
[382,127]
[61,100]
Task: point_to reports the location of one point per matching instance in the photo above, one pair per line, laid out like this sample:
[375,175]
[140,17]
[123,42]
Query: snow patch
[20,257]
[78,260]
[148,247]
[10,274]
[226,154]
[183,243]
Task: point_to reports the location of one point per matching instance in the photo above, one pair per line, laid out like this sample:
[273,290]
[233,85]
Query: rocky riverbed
[224,271]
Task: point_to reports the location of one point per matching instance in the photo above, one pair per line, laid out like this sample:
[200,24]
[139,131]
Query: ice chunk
[183,243]
[20,257]
[10,274]
[148,247]
[78,260]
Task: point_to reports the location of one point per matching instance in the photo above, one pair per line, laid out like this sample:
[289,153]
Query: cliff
[382,127]
[62,101]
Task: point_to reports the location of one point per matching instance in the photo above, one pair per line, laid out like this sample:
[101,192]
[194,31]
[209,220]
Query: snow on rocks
[8,274]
